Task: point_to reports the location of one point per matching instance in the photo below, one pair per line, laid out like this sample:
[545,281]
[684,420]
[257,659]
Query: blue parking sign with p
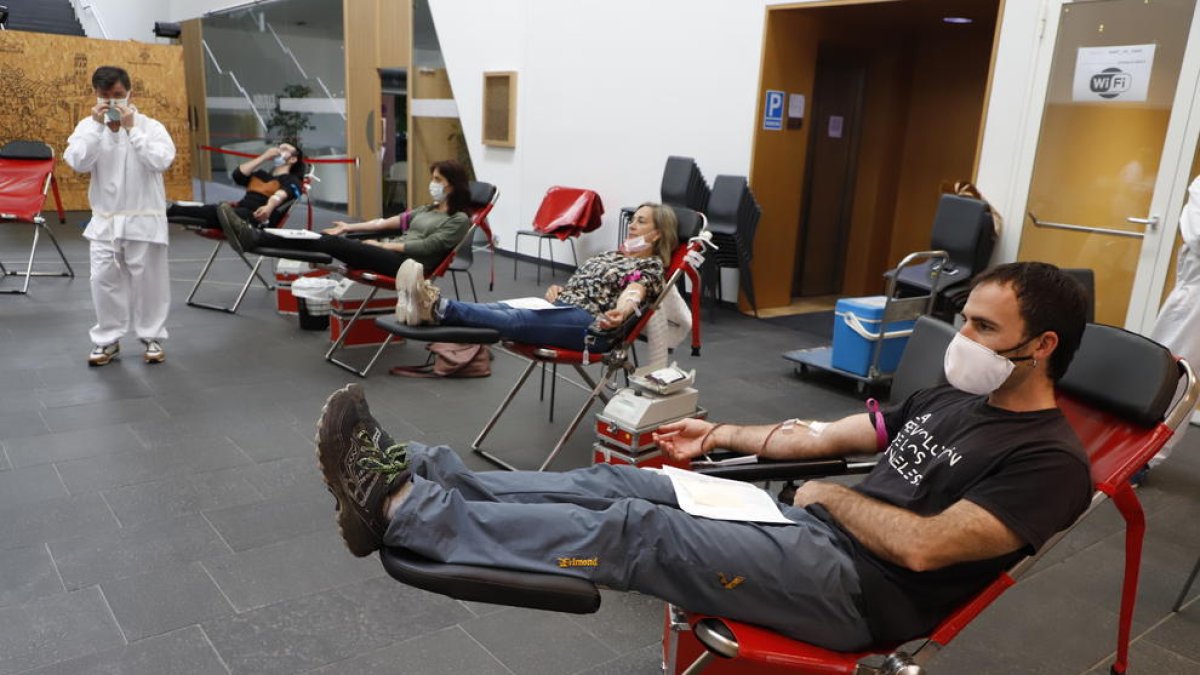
[773,110]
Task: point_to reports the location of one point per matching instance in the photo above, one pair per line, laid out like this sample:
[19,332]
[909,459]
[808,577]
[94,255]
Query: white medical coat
[126,194]
[1178,324]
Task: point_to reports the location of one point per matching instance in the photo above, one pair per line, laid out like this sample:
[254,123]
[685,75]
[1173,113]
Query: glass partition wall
[275,71]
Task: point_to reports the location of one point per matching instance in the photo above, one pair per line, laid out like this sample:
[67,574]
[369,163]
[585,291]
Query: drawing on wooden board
[46,88]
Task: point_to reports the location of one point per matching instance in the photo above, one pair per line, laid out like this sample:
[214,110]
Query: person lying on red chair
[605,290]
[976,474]
[271,180]
[432,231]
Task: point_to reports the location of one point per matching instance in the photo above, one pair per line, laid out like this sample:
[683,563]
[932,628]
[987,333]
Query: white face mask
[280,160]
[113,114]
[975,369]
[437,191]
[635,244]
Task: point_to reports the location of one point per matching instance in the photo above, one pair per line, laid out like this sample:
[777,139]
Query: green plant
[286,126]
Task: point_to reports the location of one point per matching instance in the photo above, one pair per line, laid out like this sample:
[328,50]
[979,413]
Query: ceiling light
[957,19]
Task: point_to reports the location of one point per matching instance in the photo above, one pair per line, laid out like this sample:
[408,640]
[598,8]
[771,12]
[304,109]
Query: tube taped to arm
[881,435]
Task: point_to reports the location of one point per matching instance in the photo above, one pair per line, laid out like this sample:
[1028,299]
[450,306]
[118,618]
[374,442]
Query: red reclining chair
[216,234]
[483,199]
[618,359]
[26,173]
[1122,426]
[564,214]
[1120,397]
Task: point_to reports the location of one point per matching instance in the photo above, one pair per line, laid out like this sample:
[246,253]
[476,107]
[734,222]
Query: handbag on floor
[451,359]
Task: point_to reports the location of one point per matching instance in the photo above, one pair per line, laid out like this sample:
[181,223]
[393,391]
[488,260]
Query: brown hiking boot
[361,466]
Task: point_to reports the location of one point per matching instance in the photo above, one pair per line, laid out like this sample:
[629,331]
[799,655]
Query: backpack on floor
[451,359]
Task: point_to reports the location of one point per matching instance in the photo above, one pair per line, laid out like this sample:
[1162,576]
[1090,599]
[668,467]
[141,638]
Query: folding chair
[564,214]
[202,228]
[1120,429]
[483,199]
[26,172]
[618,358]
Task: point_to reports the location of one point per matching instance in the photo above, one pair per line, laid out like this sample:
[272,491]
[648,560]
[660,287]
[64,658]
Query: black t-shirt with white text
[1028,469]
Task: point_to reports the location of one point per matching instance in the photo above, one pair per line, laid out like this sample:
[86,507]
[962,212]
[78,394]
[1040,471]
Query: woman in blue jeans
[605,290]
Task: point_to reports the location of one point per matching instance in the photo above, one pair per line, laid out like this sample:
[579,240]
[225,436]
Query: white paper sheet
[529,303]
[723,499]
[292,234]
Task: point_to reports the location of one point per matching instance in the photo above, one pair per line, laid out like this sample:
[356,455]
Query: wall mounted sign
[773,110]
[1117,73]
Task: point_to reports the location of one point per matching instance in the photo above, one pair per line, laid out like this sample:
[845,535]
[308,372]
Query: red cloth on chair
[568,212]
[23,187]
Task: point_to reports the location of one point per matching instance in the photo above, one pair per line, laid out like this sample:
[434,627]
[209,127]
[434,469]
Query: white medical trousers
[131,290]
[1178,326]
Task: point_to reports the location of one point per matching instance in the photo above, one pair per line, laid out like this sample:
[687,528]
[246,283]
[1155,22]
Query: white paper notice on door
[1119,73]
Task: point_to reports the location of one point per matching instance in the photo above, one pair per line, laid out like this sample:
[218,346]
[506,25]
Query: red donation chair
[26,173]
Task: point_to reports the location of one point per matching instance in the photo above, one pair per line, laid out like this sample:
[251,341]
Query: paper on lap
[723,499]
[292,234]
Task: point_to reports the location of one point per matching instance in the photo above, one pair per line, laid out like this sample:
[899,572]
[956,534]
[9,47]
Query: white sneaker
[417,297]
[102,354]
[154,352]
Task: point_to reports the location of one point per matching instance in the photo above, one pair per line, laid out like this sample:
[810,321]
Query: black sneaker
[239,233]
[361,466]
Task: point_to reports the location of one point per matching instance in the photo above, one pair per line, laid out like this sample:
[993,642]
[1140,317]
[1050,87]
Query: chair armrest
[769,469]
[313,257]
[373,234]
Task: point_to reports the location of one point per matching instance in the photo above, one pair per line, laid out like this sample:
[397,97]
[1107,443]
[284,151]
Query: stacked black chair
[683,184]
[733,215]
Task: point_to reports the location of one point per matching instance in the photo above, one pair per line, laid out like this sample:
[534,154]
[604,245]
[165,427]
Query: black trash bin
[314,316]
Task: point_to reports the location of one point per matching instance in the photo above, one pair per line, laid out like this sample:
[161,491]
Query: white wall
[607,89]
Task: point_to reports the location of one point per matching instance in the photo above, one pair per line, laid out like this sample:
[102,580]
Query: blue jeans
[564,326]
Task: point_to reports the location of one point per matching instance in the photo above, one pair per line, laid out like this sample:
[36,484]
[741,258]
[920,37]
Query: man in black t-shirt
[271,179]
[976,475]
[973,476]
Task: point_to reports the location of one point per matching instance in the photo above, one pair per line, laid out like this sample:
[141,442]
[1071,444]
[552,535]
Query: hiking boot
[239,233]
[361,466]
[417,298]
[102,354]
[154,352]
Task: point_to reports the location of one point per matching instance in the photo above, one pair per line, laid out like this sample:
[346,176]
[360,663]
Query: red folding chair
[564,214]
[26,173]
[216,234]
[618,358]
[1119,396]
[483,199]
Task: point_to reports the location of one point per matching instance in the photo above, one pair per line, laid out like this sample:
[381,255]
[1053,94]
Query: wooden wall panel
[197,100]
[46,82]
[363,91]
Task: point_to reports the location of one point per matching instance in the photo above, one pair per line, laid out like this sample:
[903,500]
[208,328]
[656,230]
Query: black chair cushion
[552,592]
[460,334]
[481,193]
[26,150]
[689,222]
[1122,373]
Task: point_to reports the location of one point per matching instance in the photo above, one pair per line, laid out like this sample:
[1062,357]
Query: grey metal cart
[895,310]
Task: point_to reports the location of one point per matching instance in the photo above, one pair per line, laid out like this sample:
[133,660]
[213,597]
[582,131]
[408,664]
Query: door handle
[1150,223]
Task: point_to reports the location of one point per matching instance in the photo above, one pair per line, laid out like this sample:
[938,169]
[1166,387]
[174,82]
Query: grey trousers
[622,528]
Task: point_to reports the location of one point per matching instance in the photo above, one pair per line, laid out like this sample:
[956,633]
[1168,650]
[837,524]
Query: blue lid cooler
[856,329]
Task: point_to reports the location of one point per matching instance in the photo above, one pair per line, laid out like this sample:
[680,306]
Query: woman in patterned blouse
[605,290]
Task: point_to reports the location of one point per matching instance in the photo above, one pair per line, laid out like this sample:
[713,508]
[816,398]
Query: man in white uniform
[126,152]
[1178,324]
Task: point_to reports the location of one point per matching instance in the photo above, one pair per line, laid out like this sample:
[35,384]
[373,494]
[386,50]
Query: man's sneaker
[417,297]
[102,354]
[239,233]
[154,352]
[361,466]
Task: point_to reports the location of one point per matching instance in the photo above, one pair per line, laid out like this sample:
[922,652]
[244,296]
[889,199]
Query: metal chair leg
[1186,587]
[491,423]
[346,331]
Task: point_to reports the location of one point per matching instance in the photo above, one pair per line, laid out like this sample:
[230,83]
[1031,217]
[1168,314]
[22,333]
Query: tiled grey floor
[170,518]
